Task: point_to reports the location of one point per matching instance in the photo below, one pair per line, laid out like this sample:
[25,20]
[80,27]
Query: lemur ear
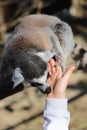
[46,55]
[17,77]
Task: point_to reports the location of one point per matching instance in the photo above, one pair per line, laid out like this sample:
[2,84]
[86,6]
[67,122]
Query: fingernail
[73,67]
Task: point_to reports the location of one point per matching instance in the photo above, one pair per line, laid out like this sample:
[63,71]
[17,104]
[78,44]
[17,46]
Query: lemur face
[78,52]
[33,71]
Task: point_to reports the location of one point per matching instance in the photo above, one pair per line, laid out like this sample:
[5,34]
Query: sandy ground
[23,111]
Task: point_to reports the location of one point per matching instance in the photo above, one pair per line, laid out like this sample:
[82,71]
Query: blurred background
[24,110]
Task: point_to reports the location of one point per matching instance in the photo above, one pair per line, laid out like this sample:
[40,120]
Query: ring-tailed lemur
[79,54]
[28,50]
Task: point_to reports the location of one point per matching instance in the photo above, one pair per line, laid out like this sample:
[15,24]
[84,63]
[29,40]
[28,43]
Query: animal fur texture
[35,40]
[79,54]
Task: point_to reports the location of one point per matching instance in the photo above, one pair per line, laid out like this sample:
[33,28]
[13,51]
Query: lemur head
[78,52]
[32,69]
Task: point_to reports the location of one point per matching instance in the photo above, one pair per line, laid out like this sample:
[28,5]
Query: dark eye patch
[35,84]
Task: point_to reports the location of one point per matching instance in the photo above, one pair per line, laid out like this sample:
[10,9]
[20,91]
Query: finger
[68,73]
[49,68]
[53,77]
[59,72]
[52,63]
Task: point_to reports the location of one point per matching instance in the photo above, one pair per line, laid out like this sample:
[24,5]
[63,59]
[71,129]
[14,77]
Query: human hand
[58,80]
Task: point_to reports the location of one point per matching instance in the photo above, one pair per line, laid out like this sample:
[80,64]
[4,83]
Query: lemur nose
[48,90]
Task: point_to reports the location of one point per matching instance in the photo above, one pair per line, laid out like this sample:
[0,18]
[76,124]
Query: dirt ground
[24,110]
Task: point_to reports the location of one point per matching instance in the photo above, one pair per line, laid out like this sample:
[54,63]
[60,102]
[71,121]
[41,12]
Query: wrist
[57,95]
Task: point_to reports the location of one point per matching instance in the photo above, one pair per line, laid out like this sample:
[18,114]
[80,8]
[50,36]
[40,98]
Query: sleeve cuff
[56,104]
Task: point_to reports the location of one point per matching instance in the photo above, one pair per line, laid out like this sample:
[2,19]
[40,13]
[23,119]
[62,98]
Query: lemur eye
[35,84]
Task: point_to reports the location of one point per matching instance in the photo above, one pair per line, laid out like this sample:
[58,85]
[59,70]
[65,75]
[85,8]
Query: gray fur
[36,36]
[79,54]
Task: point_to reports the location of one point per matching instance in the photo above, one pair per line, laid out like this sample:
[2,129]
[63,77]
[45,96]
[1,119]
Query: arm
[56,114]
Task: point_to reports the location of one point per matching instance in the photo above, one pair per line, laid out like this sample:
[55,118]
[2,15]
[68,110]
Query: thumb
[68,73]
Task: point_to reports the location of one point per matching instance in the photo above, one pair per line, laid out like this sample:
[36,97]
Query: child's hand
[57,80]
